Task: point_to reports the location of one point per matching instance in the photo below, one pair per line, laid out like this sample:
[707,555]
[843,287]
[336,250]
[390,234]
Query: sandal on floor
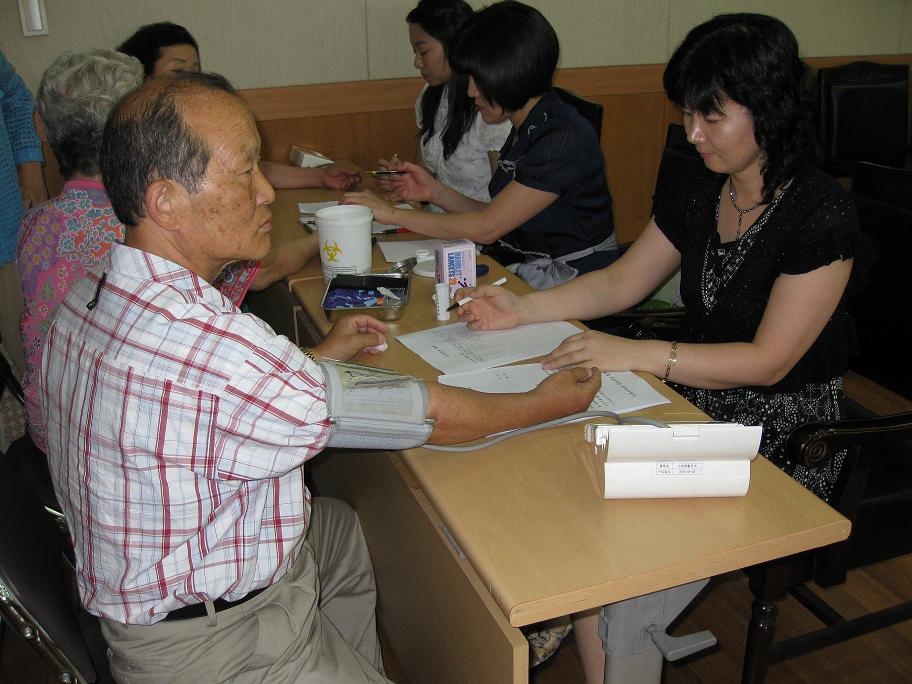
[543,643]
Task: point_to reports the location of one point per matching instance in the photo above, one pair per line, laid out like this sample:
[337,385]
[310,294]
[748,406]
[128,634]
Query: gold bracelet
[672,360]
[308,352]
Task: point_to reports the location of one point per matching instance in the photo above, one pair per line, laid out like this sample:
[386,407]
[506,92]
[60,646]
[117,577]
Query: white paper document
[314,207]
[621,392]
[454,348]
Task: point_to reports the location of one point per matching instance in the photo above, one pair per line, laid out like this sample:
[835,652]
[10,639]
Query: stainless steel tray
[383,307]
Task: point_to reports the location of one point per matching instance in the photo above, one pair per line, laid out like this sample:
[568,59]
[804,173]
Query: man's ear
[165,202]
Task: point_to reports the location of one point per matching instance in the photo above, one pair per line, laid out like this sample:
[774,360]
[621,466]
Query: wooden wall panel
[633,133]
[338,137]
[364,120]
[393,132]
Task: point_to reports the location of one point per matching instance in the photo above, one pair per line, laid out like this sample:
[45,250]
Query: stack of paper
[475,360]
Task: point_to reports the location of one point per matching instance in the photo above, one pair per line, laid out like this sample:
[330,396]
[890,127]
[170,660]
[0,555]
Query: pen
[466,300]
[382,172]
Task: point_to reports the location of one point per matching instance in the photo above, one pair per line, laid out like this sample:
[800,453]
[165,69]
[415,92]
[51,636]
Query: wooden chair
[865,441]
[864,115]
[37,594]
[590,111]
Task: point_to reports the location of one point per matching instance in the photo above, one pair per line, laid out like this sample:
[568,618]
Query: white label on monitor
[678,468]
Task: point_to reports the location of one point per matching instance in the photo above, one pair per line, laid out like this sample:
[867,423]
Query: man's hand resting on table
[350,335]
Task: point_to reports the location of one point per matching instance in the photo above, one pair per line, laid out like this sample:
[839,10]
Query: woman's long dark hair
[752,59]
[442,20]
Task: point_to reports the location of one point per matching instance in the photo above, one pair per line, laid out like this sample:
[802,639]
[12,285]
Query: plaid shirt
[61,241]
[177,430]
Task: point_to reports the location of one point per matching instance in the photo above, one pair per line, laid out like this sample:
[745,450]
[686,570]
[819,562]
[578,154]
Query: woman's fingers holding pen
[491,307]
[391,164]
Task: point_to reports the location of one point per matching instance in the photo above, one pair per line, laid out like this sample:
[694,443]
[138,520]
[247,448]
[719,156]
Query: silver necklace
[741,212]
[718,272]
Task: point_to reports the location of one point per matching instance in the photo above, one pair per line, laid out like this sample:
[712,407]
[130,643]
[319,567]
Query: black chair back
[678,156]
[590,111]
[883,183]
[8,382]
[37,580]
[864,115]
[883,198]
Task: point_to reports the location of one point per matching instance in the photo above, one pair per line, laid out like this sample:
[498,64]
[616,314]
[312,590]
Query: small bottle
[442,298]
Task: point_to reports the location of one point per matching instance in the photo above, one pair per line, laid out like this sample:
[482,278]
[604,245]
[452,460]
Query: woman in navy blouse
[550,213]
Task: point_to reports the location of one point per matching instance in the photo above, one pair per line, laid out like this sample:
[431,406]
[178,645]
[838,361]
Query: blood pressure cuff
[373,408]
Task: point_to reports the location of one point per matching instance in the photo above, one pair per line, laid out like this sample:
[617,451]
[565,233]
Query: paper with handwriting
[621,392]
[454,348]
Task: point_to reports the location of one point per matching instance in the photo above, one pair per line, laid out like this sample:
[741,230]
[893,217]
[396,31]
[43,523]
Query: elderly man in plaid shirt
[178,425]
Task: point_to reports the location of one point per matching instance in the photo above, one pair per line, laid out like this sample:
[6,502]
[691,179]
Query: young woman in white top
[457,146]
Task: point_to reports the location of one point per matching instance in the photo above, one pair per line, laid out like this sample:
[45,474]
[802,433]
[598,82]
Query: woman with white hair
[64,238]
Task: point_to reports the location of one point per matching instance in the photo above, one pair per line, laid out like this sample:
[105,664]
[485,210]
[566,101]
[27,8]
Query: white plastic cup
[344,233]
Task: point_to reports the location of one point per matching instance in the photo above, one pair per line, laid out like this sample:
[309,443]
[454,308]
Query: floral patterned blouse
[60,242]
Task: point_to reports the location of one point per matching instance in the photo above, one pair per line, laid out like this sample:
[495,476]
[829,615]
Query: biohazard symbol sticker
[332,250]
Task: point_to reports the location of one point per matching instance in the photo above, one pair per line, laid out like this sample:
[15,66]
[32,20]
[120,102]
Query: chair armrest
[866,397]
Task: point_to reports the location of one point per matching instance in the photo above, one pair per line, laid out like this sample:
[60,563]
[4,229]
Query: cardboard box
[455,261]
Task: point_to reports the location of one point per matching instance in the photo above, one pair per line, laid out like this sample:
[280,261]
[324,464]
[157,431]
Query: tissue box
[307,158]
[455,264]
[681,460]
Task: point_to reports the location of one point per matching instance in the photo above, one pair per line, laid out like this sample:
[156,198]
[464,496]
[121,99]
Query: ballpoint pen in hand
[466,300]
[382,172]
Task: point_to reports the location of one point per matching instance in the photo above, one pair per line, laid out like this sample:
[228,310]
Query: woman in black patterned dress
[765,242]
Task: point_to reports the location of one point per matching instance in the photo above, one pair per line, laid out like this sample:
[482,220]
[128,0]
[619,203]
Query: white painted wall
[261,43]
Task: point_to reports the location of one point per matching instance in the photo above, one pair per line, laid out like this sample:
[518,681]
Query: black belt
[198,610]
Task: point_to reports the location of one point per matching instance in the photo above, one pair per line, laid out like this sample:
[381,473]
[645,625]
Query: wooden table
[468,547]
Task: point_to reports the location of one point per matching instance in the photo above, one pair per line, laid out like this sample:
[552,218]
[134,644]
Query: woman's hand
[388,184]
[382,210]
[492,308]
[351,335]
[591,348]
[338,177]
[414,184]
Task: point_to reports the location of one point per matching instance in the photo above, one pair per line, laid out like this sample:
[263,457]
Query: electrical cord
[573,417]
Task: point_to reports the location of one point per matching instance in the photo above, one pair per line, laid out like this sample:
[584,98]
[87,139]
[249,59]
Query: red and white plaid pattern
[177,430]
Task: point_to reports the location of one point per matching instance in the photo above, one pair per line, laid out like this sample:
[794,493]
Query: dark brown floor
[881,657]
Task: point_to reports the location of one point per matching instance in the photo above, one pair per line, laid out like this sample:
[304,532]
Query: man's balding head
[148,138]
